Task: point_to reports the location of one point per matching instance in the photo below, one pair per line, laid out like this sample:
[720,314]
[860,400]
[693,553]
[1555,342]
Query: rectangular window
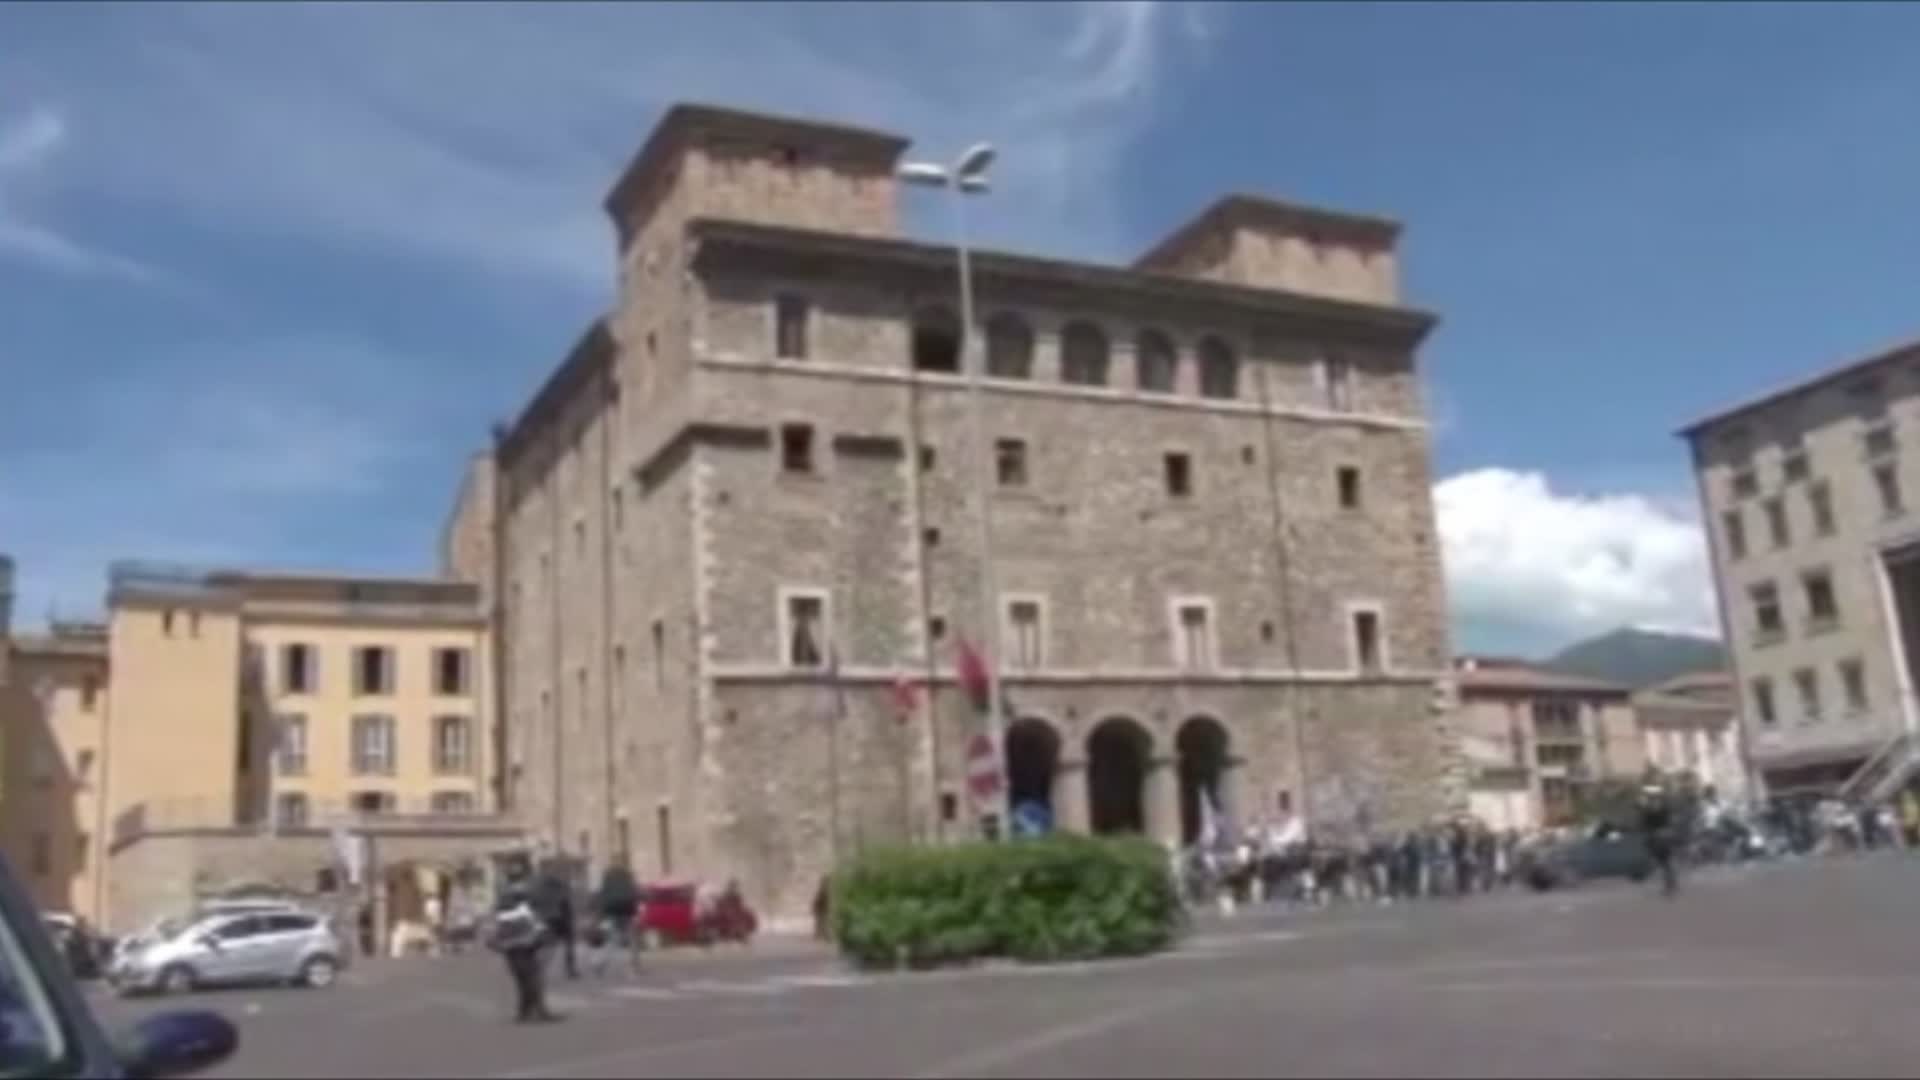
[1195,622]
[1777,530]
[1806,684]
[373,746]
[790,327]
[1820,505]
[290,749]
[371,802]
[1179,471]
[1556,721]
[372,670]
[1879,440]
[1853,683]
[290,807]
[806,630]
[796,448]
[1886,480]
[1746,482]
[453,802]
[1734,528]
[1027,634]
[1337,381]
[1822,608]
[1794,467]
[1010,462]
[1763,710]
[1767,622]
[452,745]
[450,671]
[1366,640]
[296,668]
[1349,480]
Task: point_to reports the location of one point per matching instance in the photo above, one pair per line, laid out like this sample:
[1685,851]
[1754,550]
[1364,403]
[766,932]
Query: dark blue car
[47,1030]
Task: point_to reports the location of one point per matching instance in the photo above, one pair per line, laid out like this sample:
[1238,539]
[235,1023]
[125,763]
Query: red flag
[974,680]
[906,696]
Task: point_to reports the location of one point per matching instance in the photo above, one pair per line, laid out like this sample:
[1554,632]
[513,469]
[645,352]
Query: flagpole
[833,752]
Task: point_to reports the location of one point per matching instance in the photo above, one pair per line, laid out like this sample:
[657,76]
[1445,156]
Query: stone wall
[162,873]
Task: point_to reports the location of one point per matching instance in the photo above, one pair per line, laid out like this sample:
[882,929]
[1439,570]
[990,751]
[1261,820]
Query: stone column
[1071,812]
[1163,801]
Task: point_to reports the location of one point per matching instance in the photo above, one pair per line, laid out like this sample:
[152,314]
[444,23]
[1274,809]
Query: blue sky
[267,272]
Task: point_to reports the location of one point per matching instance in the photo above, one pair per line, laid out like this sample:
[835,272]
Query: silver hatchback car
[295,947]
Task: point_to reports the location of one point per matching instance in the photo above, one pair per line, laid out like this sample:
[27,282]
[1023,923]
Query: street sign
[983,768]
[1032,818]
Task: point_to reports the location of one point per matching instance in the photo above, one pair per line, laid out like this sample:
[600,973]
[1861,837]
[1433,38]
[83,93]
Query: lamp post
[968,176]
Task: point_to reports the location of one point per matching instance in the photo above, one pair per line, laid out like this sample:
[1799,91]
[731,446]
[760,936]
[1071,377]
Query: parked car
[169,926]
[673,915]
[1604,851]
[50,1031]
[288,946]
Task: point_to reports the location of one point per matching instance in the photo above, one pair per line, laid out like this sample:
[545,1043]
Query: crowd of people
[1279,863]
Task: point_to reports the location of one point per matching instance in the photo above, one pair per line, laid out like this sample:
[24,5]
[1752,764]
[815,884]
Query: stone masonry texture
[650,534]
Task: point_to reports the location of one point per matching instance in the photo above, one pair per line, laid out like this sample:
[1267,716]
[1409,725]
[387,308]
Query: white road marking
[645,993]
[822,981]
[710,986]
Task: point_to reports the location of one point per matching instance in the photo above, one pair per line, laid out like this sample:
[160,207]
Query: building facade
[1689,726]
[737,528]
[1808,496]
[53,708]
[216,708]
[1536,739]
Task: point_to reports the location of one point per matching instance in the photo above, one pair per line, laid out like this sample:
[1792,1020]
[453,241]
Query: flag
[973,676]
[1209,822]
[906,697]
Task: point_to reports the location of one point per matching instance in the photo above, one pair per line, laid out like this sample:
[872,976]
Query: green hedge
[1058,898]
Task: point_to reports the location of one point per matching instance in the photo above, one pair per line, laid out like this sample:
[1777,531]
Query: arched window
[1219,371]
[1154,361]
[1009,347]
[936,340]
[1083,355]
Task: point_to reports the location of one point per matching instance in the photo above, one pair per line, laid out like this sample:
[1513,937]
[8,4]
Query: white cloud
[1522,555]
[27,147]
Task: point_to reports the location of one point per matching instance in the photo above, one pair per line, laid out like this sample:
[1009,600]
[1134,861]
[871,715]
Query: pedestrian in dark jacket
[553,903]
[518,934]
[618,908]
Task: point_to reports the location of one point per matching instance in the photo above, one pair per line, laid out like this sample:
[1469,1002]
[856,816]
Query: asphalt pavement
[1784,970]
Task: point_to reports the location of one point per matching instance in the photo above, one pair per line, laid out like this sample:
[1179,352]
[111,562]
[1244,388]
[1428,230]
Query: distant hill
[1638,658]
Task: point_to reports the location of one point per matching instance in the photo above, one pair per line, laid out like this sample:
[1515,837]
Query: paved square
[1797,969]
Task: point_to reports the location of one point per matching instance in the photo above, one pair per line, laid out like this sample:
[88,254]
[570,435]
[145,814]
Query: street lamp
[968,176]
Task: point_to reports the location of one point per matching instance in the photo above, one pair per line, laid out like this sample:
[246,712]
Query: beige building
[53,710]
[1808,493]
[1689,727]
[216,708]
[1535,738]
[736,529]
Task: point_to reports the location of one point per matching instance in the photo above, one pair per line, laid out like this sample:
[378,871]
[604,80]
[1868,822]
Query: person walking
[554,905]
[518,933]
[1656,825]
[618,907]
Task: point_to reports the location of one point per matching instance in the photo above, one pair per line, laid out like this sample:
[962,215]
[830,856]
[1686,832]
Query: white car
[276,946]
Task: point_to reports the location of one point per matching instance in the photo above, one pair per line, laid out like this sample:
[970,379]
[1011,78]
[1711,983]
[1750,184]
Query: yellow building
[217,709]
[53,708]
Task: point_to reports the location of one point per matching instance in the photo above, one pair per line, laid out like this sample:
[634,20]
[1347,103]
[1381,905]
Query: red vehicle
[672,915]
